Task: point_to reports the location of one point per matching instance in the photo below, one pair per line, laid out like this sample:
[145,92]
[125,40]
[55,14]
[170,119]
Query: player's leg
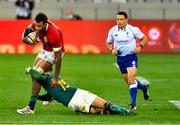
[36,87]
[123,63]
[143,84]
[49,60]
[45,97]
[100,106]
[104,107]
[94,110]
[43,66]
[129,78]
[125,78]
[35,75]
[99,103]
[132,71]
[35,91]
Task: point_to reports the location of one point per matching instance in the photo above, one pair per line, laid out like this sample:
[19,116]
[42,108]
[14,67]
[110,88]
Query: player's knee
[131,81]
[94,110]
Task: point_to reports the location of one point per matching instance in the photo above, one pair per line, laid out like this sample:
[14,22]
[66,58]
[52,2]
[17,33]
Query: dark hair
[41,17]
[122,13]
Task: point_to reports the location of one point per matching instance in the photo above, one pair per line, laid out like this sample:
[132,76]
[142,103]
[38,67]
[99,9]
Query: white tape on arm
[39,69]
[57,49]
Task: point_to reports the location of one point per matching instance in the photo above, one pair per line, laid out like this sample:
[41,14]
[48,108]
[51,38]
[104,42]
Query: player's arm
[109,41]
[25,36]
[142,37]
[58,51]
[111,49]
[109,46]
[58,61]
[29,35]
[143,42]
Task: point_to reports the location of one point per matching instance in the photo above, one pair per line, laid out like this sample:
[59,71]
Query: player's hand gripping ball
[32,38]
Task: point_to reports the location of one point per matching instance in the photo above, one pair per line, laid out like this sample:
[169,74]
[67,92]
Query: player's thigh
[131,75]
[46,56]
[122,67]
[46,66]
[36,61]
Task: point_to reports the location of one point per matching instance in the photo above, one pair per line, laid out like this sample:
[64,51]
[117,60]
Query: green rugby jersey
[62,93]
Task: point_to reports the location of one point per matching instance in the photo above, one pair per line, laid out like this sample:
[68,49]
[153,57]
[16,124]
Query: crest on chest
[45,39]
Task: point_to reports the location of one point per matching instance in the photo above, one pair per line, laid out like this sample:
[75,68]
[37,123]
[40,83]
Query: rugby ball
[32,38]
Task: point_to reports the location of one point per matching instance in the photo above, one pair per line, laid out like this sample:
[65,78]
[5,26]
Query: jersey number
[63,85]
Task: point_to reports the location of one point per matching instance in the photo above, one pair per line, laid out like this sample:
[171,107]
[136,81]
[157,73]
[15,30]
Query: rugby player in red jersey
[50,54]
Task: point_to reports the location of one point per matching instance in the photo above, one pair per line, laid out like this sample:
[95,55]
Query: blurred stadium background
[85,54]
[158,19]
[100,9]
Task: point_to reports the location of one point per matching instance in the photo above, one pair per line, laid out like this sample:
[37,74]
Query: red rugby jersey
[52,37]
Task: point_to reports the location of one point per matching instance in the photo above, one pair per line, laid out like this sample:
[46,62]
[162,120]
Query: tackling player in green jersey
[76,99]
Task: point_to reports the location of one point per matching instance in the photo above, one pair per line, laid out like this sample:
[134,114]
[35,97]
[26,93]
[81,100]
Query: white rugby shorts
[47,56]
[81,101]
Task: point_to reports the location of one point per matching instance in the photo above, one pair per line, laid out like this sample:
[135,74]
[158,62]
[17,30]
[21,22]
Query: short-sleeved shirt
[51,38]
[63,93]
[125,39]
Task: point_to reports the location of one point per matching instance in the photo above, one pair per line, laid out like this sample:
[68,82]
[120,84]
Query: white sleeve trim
[57,49]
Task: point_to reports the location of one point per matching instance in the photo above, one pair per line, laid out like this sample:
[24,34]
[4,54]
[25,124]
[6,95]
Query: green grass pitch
[97,74]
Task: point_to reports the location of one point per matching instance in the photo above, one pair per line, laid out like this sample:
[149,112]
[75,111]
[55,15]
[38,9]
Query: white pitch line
[176,103]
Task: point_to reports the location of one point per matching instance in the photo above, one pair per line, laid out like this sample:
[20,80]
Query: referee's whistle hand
[114,52]
[137,50]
